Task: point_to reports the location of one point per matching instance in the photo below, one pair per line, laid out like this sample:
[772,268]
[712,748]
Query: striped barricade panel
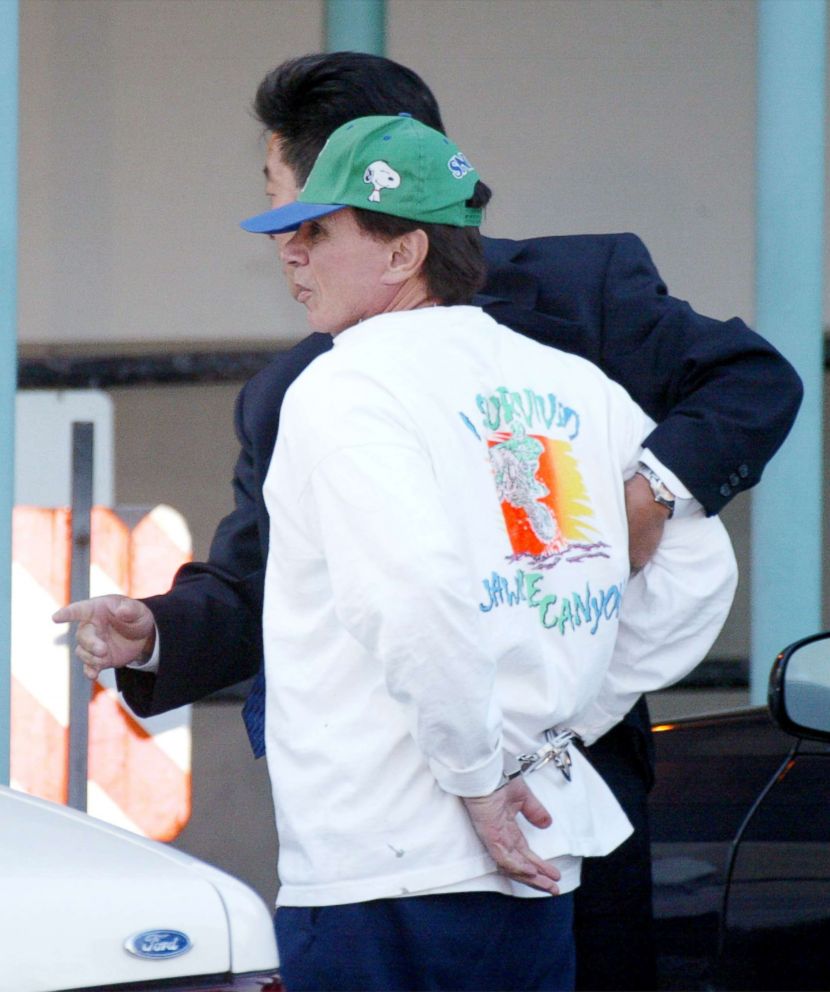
[139,770]
[41,541]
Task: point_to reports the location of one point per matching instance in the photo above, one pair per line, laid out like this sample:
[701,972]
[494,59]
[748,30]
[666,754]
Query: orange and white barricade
[138,770]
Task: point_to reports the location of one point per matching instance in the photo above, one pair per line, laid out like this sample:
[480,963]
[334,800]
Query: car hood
[75,890]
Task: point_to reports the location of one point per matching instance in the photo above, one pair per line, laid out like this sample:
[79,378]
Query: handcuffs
[555,750]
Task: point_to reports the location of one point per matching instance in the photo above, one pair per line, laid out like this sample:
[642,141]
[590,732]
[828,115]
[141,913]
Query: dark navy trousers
[475,941]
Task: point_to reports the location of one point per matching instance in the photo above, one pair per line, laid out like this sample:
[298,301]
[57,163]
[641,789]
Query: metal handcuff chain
[556,749]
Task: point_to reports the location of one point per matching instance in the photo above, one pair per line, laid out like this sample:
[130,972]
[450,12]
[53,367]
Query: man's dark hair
[454,268]
[304,99]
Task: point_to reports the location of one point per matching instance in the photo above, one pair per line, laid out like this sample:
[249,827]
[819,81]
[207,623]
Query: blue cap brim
[288,218]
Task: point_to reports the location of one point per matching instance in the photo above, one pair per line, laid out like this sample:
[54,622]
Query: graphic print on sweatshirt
[546,507]
[547,510]
[542,495]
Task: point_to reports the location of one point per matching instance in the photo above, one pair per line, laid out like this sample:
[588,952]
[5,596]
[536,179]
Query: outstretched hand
[112,632]
[494,819]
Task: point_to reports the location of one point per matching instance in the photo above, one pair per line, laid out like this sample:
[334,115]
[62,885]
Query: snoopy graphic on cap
[380,175]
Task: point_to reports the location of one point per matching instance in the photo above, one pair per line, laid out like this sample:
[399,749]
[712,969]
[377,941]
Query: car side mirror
[799,688]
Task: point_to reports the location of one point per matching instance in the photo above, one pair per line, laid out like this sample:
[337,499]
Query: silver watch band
[659,490]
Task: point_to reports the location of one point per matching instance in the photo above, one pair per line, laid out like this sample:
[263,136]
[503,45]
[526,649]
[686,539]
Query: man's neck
[412,295]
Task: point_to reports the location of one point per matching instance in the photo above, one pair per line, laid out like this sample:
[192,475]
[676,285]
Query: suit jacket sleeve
[723,397]
[730,398]
[210,622]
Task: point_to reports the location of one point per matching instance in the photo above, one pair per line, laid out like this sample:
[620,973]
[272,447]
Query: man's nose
[290,248]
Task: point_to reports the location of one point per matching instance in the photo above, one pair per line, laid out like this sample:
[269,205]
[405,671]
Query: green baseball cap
[392,165]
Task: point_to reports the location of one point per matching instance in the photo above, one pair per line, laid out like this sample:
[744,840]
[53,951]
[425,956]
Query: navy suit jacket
[723,397]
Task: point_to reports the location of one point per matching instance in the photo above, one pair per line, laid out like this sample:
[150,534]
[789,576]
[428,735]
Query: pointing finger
[74,612]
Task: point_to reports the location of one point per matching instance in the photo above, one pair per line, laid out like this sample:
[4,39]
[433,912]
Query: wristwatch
[659,490]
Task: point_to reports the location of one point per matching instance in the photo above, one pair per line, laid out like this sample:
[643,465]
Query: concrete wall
[138,156]
[606,116]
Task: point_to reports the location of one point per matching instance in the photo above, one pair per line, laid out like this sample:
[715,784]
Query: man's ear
[407,254]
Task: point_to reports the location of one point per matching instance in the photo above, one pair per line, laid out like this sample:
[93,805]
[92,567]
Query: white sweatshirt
[447,567]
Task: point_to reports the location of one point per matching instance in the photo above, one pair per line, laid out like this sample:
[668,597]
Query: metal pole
[787,506]
[356,26]
[8,350]
[79,687]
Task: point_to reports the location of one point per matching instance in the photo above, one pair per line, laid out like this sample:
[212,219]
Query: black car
[741,837]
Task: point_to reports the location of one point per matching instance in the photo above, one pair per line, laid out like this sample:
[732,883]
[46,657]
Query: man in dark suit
[724,400]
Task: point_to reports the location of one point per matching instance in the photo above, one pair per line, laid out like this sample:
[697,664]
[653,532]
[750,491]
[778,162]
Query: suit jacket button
[725,490]
[743,471]
[733,480]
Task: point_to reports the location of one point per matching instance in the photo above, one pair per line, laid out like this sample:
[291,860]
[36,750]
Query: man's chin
[326,326]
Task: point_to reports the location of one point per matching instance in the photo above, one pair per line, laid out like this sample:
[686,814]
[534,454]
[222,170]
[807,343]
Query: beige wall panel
[138,159]
[176,445]
[139,156]
[610,115]
[605,115]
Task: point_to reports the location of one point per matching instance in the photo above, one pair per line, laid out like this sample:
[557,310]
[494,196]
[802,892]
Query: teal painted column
[787,506]
[8,349]
[356,26]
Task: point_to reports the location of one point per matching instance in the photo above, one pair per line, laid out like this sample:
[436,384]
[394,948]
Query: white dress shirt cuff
[151,665]
[684,503]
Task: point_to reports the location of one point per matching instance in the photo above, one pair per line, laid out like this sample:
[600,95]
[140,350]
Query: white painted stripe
[174,526]
[170,731]
[101,583]
[175,743]
[40,649]
[99,804]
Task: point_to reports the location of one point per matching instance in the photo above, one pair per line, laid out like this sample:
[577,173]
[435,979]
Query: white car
[85,905]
